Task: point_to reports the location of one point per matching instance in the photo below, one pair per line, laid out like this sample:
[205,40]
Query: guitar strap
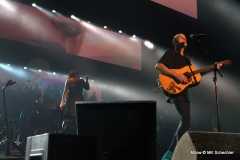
[189,65]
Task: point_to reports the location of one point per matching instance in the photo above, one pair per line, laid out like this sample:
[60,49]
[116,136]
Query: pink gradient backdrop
[188,7]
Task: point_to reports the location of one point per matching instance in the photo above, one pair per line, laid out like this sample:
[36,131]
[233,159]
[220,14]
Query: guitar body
[173,87]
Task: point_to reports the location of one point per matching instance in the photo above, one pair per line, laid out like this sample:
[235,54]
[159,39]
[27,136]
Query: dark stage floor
[14,154]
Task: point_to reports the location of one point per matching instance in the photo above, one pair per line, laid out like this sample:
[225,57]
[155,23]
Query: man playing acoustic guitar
[177,90]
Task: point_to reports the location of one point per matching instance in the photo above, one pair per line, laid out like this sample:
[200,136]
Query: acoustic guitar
[172,86]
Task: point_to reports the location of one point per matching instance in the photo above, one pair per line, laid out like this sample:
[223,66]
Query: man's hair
[73,73]
[174,39]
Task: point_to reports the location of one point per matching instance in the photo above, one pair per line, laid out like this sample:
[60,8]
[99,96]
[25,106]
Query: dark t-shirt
[173,60]
[74,94]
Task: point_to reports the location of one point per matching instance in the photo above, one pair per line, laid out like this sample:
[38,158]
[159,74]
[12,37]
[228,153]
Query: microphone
[8,83]
[197,35]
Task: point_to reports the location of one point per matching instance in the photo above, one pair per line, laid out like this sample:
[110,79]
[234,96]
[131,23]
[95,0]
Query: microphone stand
[215,84]
[205,51]
[216,94]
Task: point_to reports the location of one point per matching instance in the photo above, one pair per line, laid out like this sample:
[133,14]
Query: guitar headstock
[226,63]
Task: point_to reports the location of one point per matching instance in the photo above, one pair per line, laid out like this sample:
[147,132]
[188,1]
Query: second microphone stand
[5,141]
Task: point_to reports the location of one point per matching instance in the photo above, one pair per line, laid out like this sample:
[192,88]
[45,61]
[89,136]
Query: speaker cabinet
[125,129]
[61,147]
[208,146]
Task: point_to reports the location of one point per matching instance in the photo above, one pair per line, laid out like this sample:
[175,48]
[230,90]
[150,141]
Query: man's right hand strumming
[180,78]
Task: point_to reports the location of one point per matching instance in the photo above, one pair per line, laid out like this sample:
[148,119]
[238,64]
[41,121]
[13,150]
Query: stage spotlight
[134,38]
[74,17]
[148,44]
[53,11]
[54,73]
[92,80]
[120,31]
[34,5]
[105,27]
[25,67]
[8,65]
[39,70]
[7,5]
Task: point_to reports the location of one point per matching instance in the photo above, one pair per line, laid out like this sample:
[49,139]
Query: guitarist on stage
[175,59]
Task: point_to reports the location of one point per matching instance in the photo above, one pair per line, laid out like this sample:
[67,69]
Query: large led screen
[36,26]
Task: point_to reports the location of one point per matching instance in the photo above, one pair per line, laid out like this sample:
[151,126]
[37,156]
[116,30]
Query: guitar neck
[205,69]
